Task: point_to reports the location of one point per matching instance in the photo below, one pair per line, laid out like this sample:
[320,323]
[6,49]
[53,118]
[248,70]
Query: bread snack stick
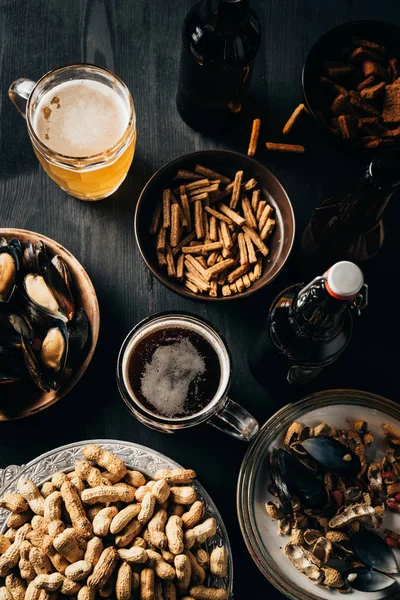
[257,241]
[221,266]
[213,288]
[293,118]
[197,281]
[190,237]
[185,207]
[258,269]
[192,265]
[194,185]
[367,44]
[264,216]
[248,213]
[293,148]
[225,235]
[255,199]
[209,189]
[155,222]
[206,227]
[244,259]
[175,225]
[166,208]
[261,205]
[233,288]
[236,218]
[170,261]
[226,290]
[188,175]
[246,280]
[251,253]
[218,215]
[210,174]
[162,261]
[193,288]
[202,249]
[237,273]
[161,237]
[198,219]
[267,229]
[255,132]
[236,190]
[212,258]
[179,266]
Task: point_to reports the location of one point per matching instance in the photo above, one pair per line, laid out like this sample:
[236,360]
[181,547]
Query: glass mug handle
[19,92]
[234,420]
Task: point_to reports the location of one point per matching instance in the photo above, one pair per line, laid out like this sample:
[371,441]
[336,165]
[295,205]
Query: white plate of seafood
[319,497]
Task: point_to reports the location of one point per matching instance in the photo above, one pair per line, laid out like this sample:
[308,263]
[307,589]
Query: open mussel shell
[53,355]
[63,269]
[57,285]
[365,580]
[30,255]
[32,364]
[9,265]
[280,484]
[78,338]
[300,480]
[21,325]
[333,455]
[373,551]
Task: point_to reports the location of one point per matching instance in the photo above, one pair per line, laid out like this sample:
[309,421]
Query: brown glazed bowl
[227,162]
[18,400]
[328,46]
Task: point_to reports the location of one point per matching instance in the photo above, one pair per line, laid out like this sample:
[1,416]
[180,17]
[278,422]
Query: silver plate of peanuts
[319,497]
[110,519]
[214,225]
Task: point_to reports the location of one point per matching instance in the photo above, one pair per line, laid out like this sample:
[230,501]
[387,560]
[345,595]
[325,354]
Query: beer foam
[166,378]
[80,118]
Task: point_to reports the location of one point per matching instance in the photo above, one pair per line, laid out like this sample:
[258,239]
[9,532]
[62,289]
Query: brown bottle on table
[220,41]
[350,227]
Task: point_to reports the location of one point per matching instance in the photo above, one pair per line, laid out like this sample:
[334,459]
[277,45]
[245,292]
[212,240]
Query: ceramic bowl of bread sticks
[214,225]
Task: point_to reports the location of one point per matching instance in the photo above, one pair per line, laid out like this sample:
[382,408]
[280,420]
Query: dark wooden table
[140,41]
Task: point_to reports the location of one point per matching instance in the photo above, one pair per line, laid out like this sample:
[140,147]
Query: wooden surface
[140,41]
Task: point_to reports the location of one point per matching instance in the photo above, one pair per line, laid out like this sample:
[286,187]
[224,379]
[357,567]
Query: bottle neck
[318,314]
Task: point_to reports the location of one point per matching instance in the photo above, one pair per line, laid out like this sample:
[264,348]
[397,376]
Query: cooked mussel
[9,265]
[21,324]
[63,269]
[365,580]
[333,455]
[53,355]
[373,551]
[32,364]
[57,285]
[78,337]
[293,478]
[40,294]
[30,255]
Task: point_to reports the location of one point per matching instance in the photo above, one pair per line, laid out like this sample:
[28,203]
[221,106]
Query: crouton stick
[170,262]
[255,132]
[267,229]
[212,259]
[196,280]
[239,284]
[261,206]
[226,290]
[161,238]
[236,190]
[203,197]
[295,115]
[193,288]
[202,248]
[198,220]
[255,199]
[248,213]
[185,206]
[179,267]
[233,288]
[218,268]
[246,280]
[264,217]
[188,175]
[238,272]
[213,228]
[250,250]
[175,217]
[258,269]
[252,276]
[257,241]
[184,242]
[194,185]
[218,215]
[166,208]
[226,253]
[192,263]
[226,236]
[236,218]
[210,189]
[210,174]
[155,222]
[244,259]
[249,185]
[206,228]
[162,261]
[213,288]
[293,148]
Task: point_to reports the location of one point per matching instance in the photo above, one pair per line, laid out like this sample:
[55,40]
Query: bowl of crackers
[351,84]
[214,225]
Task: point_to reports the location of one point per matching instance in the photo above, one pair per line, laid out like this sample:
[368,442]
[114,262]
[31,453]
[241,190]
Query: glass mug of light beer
[82,125]
[174,372]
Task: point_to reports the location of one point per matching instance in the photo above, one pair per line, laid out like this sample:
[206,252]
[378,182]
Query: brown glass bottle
[308,327]
[350,227]
[220,42]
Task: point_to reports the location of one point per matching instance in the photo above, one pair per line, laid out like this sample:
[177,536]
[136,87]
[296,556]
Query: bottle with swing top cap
[309,326]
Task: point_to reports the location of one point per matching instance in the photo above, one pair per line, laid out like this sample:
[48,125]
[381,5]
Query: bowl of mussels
[49,322]
[318,497]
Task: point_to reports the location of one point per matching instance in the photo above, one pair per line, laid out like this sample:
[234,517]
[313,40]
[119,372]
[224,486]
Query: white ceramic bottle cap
[344,280]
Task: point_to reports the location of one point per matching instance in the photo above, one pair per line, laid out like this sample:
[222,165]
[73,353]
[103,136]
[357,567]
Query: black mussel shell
[17,246]
[374,552]
[57,285]
[333,455]
[78,338]
[301,481]
[12,366]
[39,319]
[33,366]
[279,483]
[63,269]
[21,324]
[365,580]
[9,265]
[30,255]
[53,361]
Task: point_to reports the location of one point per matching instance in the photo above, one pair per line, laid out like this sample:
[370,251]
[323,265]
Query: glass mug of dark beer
[174,372]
